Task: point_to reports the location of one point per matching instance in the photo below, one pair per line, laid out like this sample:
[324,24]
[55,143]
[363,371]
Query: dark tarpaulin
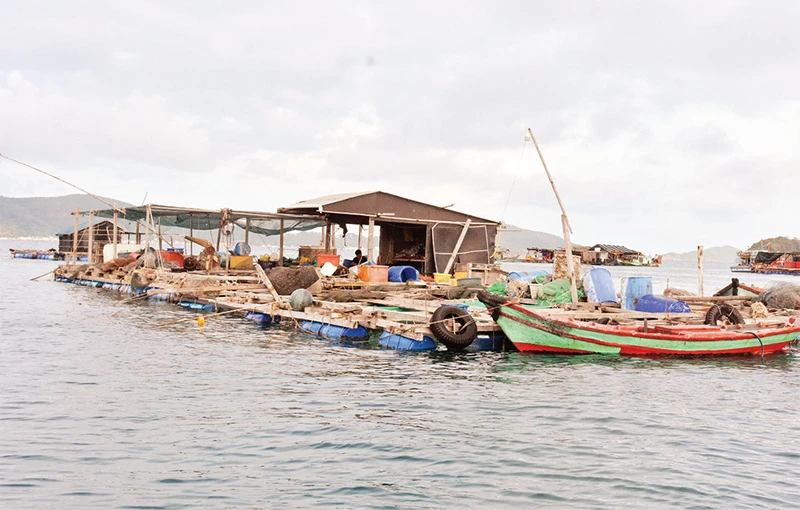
[765,257]
[268,224]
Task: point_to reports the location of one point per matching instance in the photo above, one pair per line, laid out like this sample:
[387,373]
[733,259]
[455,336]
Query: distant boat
[539,255]
[533,329]
[767,262]
[50,254]
[504,255]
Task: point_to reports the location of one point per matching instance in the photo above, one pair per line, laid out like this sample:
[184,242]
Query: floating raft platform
[344,310]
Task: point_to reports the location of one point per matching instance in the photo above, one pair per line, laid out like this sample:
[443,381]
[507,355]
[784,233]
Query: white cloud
[665,125]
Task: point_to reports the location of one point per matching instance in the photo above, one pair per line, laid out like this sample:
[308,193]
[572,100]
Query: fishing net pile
[781,295]
[675,293]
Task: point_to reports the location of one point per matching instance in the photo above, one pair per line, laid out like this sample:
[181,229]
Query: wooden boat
[504,255]
[533,329]
[50,254]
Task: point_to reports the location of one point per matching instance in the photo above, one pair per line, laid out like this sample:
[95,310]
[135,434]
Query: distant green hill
[777,244]
[44,216]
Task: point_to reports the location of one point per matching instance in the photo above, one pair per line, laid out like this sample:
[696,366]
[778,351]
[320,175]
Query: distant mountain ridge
[517,240]
[716,254]
[45,216]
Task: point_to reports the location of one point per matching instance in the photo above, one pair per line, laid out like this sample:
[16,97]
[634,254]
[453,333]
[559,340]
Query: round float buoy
[300,299]
[453,327]
[725,313]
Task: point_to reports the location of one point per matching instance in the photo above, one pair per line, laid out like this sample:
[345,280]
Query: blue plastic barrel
[633,288]
[463,306]
[403,274]
[526,276]
[403,343]
[656,304]
[242,249]
[599,286]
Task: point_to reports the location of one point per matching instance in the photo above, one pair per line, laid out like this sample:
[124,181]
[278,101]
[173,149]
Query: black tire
[723,312]
[466,329]
[491,300]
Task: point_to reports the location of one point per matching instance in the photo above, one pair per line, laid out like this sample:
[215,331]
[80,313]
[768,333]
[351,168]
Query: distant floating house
[616,255]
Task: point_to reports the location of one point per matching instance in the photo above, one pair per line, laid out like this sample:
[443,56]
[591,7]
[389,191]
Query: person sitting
[358,259]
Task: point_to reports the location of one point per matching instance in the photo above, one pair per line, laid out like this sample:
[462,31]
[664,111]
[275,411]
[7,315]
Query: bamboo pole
[116,229]
[565,226]
[41,275]
[699,270]
[205,316]
[191,234]
[281,244]
[90,257]
[75,237]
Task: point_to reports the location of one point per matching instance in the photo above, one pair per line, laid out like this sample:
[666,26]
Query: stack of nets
[781,295]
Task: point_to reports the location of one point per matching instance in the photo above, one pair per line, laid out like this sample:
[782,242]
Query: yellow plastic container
[241,262]
[441,277]
[460,274]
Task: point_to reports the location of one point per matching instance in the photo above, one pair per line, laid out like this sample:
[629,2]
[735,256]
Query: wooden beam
[371,240]
[457,247]
[90,257]
[567,229]
[280,249]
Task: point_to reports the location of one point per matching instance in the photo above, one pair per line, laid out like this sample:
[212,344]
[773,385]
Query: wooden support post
[280,247]
[371,239]
[160,239]
[116,229]
[77,213]
[457,247]
[700,271]
[360,233]
[327,236]
[573,284]
[138,234]
[219,232]
[247,230]
[90,257]
[191,234]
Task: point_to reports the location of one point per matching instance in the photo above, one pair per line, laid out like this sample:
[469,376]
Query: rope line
[514,180]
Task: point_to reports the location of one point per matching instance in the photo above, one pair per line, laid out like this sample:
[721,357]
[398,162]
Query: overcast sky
[666,125]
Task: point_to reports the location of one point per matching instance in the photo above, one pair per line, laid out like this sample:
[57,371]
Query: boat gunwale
[709,336]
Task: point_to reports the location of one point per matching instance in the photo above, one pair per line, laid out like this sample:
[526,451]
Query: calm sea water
[104,406]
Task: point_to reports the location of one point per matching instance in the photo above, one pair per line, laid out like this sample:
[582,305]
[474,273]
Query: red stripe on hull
[768,349]
[541,348]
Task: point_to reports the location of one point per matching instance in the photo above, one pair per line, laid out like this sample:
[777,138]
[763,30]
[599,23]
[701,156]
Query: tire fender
[723,312]
[466,328]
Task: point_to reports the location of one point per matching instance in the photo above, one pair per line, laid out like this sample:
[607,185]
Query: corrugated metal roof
[318,202]
[404,208]
[82,224]
[614,248]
